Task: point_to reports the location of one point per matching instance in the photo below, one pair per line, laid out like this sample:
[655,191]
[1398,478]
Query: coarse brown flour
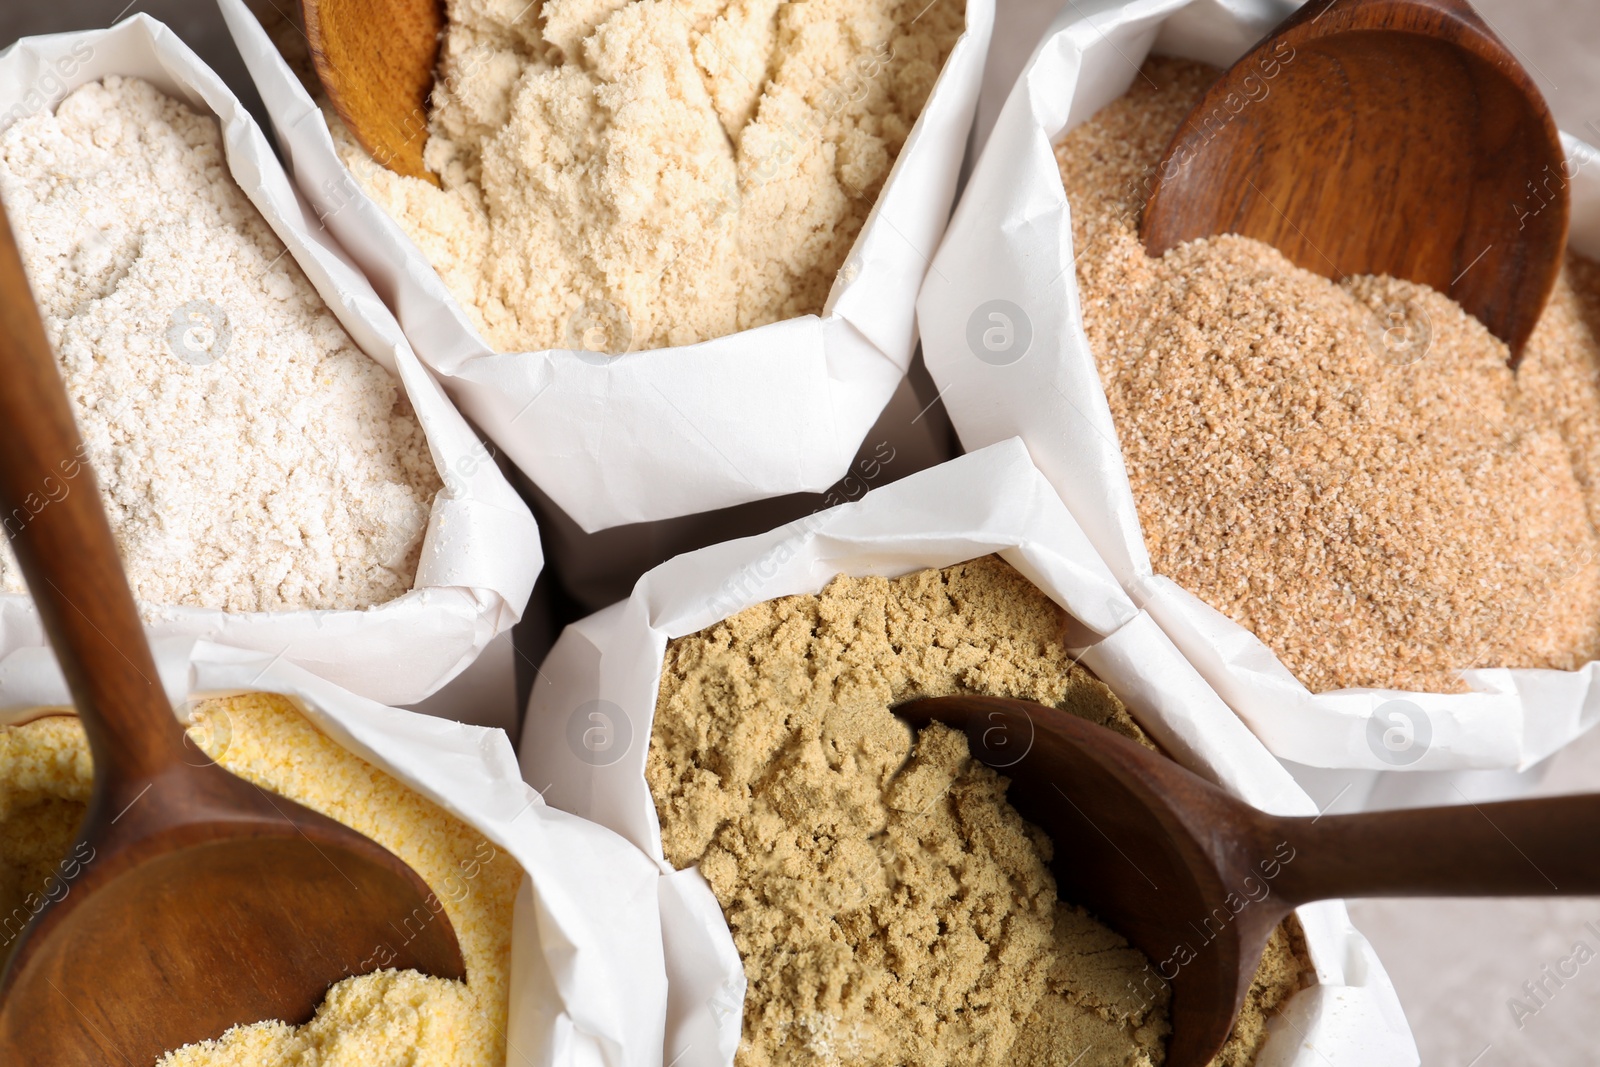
[249,455]
[889,905]
[1350,471]
[632,174]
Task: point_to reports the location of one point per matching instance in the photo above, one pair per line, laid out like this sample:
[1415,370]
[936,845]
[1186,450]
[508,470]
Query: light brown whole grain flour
[250,456]
[1350,471]
[632,174]
[889,905]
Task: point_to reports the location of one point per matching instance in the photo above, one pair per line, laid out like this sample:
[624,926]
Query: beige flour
[390,1017]
[632,174]
[1376,522]
[250,456]
[889,906]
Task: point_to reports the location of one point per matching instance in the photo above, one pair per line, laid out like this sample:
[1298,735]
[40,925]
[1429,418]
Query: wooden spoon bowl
[193,900]
[1197,880]
[376,61]
[181,926]
[1394,137]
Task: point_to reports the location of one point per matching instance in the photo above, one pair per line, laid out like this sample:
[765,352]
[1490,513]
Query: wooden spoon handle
[1539,847]
[50,507]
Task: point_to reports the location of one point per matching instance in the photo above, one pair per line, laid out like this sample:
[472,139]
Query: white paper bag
[481,550]
[588,983]
[1011,240]
[672,431]
[993,500]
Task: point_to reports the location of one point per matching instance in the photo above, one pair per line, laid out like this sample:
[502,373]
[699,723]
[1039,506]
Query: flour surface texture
[250,456]
[636,175]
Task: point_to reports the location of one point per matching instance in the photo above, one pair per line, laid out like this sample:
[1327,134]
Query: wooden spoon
[194,900]
[1393,137]
[376,61]
[1197,879]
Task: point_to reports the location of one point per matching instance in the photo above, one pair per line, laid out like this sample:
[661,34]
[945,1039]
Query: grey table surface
[1474,976]
[1501,983]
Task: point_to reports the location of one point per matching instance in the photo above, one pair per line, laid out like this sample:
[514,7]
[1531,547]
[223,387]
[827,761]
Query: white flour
[250,456]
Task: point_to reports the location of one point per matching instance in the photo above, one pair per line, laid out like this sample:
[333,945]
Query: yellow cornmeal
[889,905]
[391,1017]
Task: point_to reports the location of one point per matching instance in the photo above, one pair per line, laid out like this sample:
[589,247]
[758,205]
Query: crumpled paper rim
[481,550]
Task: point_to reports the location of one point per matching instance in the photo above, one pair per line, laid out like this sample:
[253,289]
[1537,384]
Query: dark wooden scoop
[1393,137]
[194,900]
[1197,879]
